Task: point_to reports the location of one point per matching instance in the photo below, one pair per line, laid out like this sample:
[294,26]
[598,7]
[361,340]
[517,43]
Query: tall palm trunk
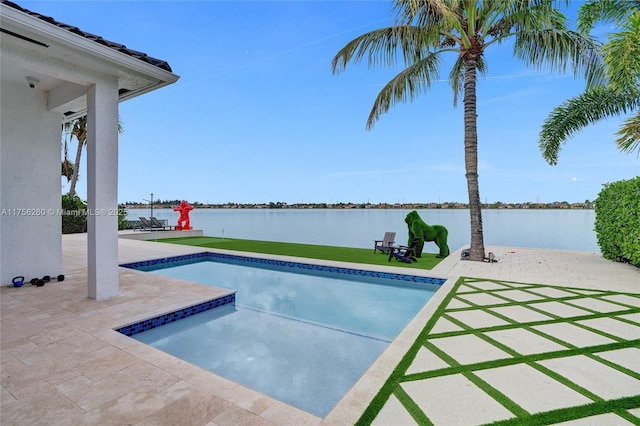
[79,130]
[471,159]
[76,167]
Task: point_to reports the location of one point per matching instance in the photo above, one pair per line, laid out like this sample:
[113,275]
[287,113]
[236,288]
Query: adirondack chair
[405,253]
[386,243]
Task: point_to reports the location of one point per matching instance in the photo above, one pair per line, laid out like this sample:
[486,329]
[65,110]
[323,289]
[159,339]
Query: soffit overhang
[66,60]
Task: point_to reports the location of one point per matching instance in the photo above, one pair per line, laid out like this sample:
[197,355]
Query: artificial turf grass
[340,254]
[598,405]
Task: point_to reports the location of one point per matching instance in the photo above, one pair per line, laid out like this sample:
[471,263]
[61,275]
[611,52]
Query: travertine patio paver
[520,314]
[613,327]
[481,299]
[627,358]
[596,304]
[444,325]
[426,360]
[531,389]
[468,349]
[477,319]
[394,413]
[454,400]
[520,295]
[594,376]
[524,341]
[560,309]
[573,334]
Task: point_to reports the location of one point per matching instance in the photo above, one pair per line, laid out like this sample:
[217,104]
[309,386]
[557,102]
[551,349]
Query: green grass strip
[618,406]
[590,351]
[416,412]
[341,254]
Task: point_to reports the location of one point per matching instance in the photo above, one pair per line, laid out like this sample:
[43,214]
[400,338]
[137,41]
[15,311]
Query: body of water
[549,229]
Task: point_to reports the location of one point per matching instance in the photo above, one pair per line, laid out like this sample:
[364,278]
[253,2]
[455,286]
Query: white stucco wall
[30,136]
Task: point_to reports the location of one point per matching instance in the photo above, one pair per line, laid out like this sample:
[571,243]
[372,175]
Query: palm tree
[618,93]
[425,30]
[77,128]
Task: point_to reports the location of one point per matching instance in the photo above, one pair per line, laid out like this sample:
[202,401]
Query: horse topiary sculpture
[419,229]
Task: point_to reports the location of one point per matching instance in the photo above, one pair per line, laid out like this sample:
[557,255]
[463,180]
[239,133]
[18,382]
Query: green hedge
[618,221]
[74,219]
[122,217]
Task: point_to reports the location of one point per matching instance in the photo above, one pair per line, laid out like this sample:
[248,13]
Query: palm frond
[580,111]
[456,79]
[622,55]
[426,13]
[593,11]
[527,15]
[556,49]
[629,135]
[405,86]
[380,47]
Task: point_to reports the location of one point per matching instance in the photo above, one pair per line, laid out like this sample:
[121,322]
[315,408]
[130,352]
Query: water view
[548,229]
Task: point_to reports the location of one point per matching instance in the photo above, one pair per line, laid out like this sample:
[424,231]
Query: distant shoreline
[587,205]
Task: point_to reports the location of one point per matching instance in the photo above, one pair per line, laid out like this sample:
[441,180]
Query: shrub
[74,218]
[122,217]
[617,223]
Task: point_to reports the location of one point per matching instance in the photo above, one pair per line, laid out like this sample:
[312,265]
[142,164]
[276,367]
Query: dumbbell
[37,282]
[48,278]
[40,282]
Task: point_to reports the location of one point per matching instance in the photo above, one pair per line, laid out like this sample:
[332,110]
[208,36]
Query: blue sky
[257,115]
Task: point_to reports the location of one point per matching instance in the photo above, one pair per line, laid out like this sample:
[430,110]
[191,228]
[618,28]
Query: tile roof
[75,30]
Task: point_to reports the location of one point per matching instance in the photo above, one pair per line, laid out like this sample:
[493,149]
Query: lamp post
[150,203]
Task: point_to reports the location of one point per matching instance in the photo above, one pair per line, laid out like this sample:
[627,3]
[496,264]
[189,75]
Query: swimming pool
[303,337]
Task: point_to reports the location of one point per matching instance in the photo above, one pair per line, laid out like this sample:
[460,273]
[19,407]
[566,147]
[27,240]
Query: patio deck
[62,362]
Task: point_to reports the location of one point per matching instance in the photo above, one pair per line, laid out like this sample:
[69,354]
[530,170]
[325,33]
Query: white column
[102,189]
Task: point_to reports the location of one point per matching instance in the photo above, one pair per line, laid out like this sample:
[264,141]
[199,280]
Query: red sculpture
[183,220]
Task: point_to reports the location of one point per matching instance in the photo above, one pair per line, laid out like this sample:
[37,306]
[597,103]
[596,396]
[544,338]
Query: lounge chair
[385,244]
[405,253]
[147,225]
[157,224]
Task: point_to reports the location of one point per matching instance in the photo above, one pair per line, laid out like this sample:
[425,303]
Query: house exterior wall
[30,223]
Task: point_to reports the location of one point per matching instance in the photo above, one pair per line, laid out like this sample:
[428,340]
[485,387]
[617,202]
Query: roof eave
[125,63]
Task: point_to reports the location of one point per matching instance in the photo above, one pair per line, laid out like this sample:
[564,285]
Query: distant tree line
[284,205]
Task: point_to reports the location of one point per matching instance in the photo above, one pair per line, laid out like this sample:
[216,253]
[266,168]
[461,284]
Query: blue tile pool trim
[150,265]
[168,262]
[148,324]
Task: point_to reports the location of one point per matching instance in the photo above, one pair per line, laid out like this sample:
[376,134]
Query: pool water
[302,339]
